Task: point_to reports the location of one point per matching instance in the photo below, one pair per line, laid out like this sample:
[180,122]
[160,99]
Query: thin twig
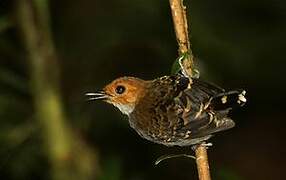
[181,28]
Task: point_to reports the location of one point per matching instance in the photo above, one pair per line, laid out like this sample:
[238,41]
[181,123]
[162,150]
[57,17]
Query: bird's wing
[202,109]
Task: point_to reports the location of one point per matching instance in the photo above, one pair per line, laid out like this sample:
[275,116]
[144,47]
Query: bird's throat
[126,108]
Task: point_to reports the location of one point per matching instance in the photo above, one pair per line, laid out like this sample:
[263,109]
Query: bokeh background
[237,43]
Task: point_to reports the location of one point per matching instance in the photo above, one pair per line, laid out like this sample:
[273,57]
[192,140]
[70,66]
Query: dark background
[238,44]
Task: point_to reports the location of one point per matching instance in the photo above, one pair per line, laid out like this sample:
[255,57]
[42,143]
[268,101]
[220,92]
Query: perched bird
[172,110]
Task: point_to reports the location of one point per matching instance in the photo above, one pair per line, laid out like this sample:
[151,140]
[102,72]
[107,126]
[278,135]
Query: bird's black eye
[120,89]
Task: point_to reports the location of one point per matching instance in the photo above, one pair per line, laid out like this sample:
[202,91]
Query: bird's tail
[228,100]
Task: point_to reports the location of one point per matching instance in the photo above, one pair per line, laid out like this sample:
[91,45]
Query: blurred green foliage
[227,174]
[111,169]
[237,44]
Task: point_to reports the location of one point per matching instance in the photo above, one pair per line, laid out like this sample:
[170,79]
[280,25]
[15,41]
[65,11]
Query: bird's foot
[204,144]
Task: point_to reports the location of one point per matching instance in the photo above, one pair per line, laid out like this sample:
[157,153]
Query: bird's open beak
[100,95]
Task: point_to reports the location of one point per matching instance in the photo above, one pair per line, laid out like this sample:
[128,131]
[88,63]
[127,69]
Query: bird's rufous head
[124,93]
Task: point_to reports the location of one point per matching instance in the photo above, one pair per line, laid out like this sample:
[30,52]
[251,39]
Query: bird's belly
[167,139]
[172,141]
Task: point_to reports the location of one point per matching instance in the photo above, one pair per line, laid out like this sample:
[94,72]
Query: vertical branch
[202,162]
[68,156]
[181,28]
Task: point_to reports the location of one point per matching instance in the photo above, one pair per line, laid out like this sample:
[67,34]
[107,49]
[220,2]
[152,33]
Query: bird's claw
[204,144]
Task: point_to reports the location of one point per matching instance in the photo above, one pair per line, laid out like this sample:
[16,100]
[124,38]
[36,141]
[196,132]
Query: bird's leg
[169,156]
[194,147]
[183,67]
[187,67]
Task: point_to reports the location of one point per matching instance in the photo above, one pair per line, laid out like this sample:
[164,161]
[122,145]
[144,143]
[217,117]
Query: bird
[172,110]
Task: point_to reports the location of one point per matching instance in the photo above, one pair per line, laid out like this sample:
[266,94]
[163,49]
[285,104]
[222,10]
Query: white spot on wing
[224,99]
[241,97]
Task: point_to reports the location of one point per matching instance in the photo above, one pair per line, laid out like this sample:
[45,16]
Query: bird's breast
[155,123]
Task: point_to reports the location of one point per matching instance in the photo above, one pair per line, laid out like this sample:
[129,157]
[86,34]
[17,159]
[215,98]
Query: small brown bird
[172,110]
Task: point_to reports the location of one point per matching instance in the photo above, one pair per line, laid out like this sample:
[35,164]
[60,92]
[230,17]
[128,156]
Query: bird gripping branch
[170,110]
